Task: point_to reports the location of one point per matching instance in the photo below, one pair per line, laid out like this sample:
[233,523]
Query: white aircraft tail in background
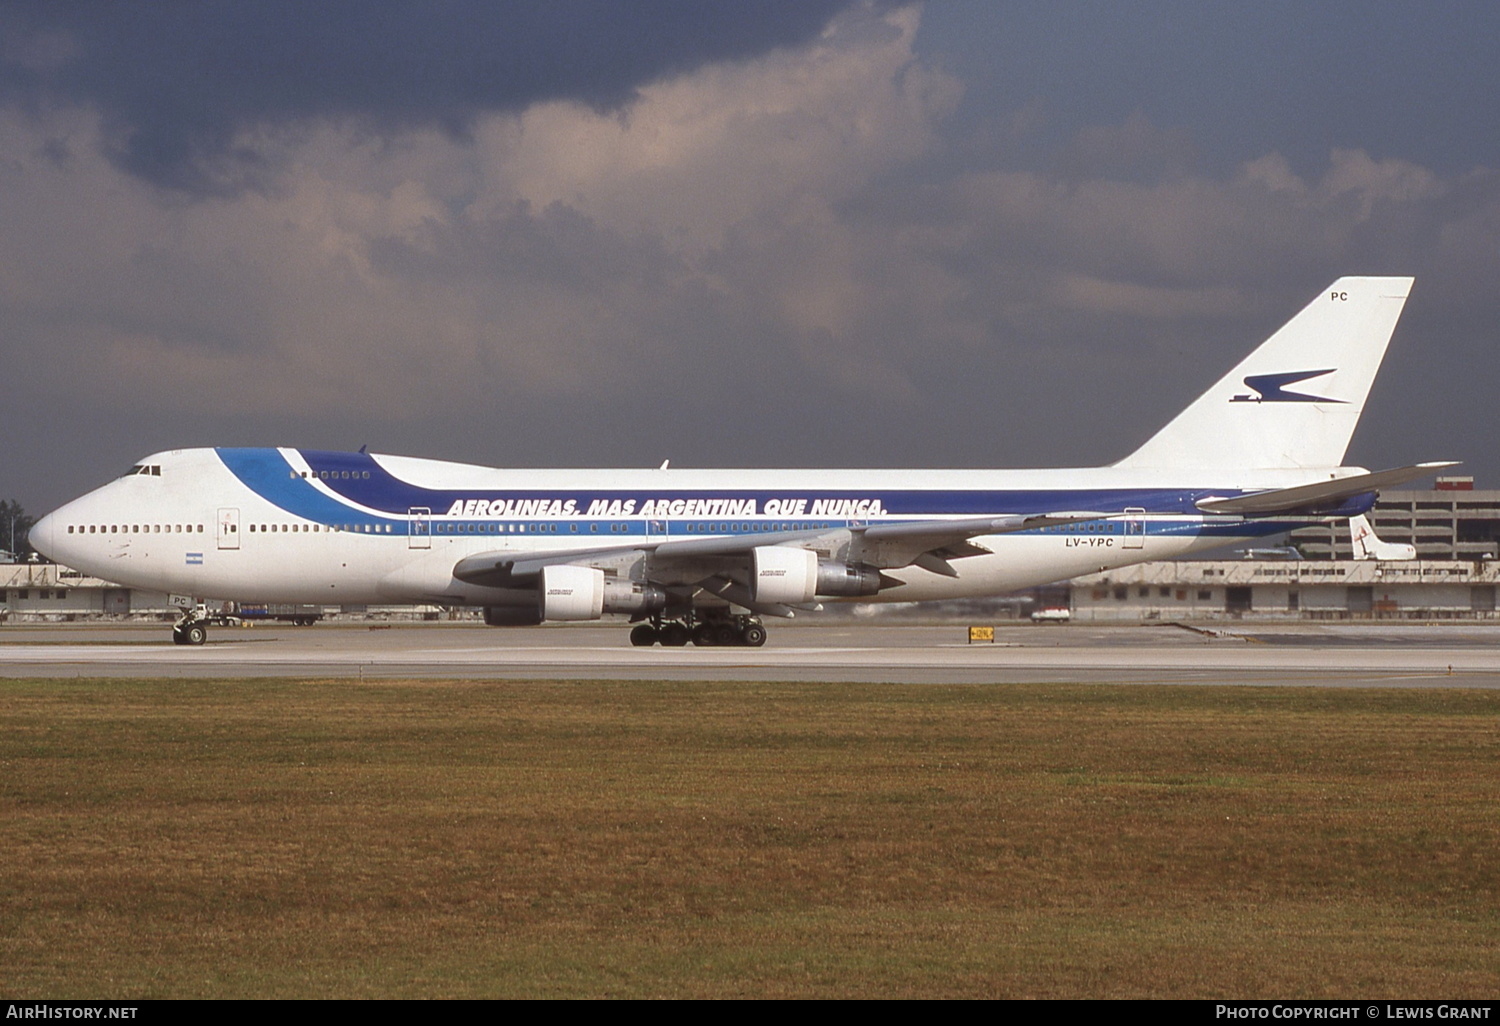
[1367,545]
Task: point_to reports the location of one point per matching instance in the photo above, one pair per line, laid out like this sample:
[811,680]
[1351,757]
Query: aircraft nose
[42,536]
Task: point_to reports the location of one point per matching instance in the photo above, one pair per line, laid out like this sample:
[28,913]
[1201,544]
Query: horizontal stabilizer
[1319,493]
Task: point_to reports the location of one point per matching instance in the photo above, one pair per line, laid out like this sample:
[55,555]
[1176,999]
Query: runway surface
[1349,655]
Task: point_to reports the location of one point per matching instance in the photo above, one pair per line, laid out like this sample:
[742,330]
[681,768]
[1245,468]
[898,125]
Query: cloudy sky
[757,233]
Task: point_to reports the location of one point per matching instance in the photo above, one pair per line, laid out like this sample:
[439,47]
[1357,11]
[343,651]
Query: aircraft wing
[1319,493]
[925,543]
[930,544]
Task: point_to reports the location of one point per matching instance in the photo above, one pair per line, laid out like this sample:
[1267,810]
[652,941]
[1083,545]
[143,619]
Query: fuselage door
[419,528]
[229,528]
[1135,529]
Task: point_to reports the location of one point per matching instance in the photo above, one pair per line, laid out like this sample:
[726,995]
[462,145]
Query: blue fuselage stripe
[356,479]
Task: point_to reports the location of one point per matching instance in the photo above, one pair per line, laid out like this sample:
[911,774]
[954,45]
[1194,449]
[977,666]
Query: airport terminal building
[1288,590]
[33,590]
[1455,529]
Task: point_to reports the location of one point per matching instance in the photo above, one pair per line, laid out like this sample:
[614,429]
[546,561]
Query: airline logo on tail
[1270,388]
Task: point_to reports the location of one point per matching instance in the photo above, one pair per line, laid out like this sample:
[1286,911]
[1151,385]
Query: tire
[195,634]
[754,635]
[674,635]
[643,635]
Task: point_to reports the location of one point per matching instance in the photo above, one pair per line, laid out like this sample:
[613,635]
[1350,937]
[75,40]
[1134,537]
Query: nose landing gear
[192,627]
[191,634]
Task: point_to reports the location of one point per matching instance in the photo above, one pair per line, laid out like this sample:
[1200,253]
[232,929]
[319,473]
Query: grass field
[332,838]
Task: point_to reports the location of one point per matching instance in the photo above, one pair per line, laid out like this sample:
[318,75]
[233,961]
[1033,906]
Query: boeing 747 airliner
[704,555]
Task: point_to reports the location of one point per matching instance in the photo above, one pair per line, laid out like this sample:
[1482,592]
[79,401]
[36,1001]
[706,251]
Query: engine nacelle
[571,593]
[783,575]
[845,579]
[583,593]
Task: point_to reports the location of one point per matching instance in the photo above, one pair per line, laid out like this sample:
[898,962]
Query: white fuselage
[287,525]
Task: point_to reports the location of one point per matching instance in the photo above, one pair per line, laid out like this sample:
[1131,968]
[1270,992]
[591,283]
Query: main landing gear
[735,630]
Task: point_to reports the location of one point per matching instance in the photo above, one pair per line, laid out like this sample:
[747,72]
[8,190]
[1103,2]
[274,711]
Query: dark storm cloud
[176,82]
[767,261]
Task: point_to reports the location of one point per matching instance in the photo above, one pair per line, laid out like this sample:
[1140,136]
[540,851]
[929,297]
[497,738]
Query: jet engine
[583,593]
[783,575]
[791,576]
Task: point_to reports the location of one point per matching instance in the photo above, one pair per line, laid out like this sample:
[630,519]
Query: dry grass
[330,838]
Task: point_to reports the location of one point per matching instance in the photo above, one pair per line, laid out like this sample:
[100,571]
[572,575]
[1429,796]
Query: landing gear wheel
[674,635]
[754,635]
[643,636]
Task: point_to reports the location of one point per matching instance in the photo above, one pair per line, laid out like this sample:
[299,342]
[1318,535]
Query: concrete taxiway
[1291,655]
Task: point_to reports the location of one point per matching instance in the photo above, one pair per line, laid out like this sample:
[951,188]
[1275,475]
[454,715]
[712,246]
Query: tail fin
[1293,402]
[1368,546]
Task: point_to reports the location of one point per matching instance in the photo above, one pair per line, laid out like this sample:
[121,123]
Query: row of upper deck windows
[135,528]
